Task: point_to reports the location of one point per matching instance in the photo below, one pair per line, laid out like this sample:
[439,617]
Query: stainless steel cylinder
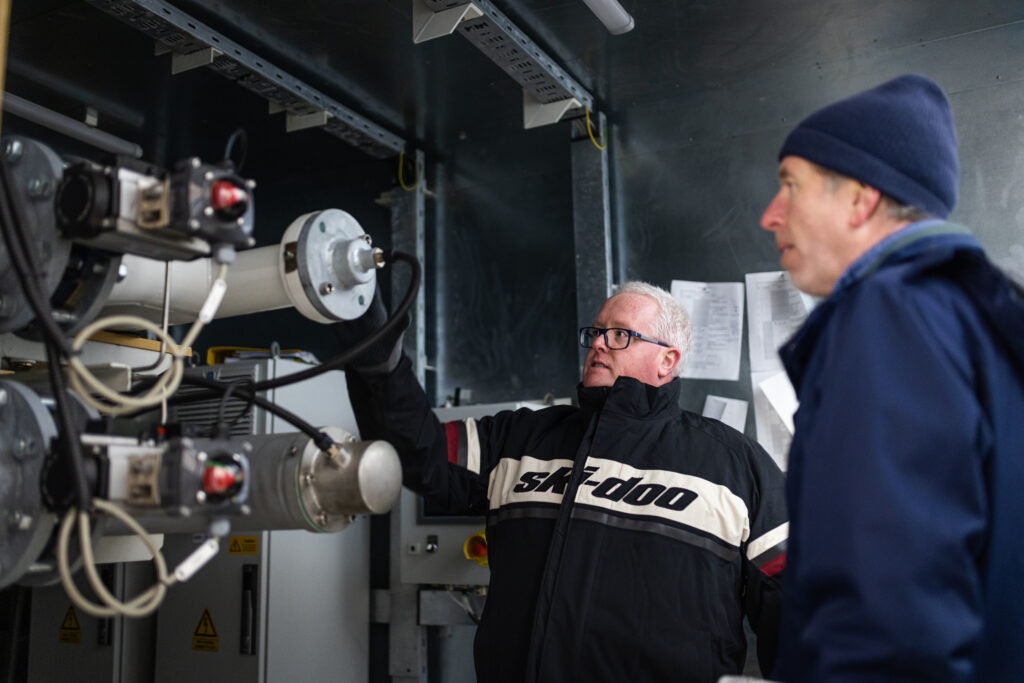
[295,485]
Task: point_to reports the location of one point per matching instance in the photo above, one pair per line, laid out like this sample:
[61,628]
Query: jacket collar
[906,241]
[939,238]
[631,397]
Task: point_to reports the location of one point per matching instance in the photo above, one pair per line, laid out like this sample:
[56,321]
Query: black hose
[68,430]
[23,259]
[323,441]
[340,361]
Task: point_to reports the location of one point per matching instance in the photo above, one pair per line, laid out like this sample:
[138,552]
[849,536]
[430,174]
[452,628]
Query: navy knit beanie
[898,138]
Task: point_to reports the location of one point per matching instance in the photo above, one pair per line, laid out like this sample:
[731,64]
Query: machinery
[88,449]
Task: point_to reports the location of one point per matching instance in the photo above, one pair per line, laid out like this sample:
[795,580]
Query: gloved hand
[382,357]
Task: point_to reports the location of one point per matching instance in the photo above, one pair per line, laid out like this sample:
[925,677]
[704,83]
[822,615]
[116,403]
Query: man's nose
[773,217]
[600,342]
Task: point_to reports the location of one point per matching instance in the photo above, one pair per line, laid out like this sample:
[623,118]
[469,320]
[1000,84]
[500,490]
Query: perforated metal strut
[185,35]
[506,45]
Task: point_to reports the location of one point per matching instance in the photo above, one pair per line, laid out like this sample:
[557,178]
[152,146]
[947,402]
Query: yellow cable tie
[590,132]
[419,174]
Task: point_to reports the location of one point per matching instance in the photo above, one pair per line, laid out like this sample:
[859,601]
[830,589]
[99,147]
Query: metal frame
[195,44]
[591,217]
[407,234]
[407,639]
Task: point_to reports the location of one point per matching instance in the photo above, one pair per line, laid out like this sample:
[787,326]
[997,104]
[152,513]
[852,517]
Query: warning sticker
[70,630]
[205,639]
[243,545]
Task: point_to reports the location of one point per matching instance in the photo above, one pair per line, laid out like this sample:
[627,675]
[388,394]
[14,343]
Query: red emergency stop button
[228,198]
[475,548]
[221,480]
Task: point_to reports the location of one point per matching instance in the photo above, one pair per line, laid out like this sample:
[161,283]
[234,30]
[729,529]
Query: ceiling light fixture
[612,15]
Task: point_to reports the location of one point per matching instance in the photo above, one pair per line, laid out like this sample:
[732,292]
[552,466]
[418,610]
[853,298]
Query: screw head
[327,288]
[13,150]
[38,187]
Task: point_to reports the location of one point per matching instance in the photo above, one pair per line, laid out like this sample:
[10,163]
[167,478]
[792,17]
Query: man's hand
[382,357]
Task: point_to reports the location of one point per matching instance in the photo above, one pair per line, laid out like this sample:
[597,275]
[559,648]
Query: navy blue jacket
[627,538]
[906,473]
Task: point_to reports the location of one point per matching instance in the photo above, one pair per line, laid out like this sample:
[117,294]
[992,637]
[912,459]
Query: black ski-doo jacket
[626,538]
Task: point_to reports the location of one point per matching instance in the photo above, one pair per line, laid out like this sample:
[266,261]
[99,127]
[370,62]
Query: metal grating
[496,36]
[204,413]
[186,35]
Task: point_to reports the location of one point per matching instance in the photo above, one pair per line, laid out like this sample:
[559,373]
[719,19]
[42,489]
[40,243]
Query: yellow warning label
[243,545]
[70,630]
[205,639]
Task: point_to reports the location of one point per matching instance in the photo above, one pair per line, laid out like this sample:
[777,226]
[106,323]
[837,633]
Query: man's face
[647,362]
[809,219]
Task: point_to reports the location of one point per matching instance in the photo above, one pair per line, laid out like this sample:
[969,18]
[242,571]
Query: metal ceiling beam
[195,44]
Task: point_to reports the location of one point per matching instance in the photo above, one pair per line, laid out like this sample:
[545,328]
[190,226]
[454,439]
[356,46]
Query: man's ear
[864,200]
[669,359]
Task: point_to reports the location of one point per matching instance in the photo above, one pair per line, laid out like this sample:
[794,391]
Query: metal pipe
[55,121]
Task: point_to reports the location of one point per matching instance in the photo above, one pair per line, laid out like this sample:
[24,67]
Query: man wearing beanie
[906,472]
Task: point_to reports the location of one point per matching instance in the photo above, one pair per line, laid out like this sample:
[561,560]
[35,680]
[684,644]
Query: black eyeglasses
[614,337]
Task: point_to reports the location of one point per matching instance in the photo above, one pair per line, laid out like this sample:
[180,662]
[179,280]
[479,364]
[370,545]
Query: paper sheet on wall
[772,433]
[716,317]
[775,309]
[781,397]
[731,411]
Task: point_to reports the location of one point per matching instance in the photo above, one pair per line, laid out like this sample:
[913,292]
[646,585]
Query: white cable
[142,605]
[146,602]
[86,383]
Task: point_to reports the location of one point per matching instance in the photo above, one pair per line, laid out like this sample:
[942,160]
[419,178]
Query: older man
[627,538]
[907,466]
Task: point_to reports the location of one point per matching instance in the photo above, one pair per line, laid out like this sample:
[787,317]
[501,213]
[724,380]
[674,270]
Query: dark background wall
[699,97]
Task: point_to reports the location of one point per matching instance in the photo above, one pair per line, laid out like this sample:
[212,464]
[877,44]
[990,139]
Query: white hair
[672,325]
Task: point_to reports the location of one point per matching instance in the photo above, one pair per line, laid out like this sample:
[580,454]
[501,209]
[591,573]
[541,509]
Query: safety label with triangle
[204,638]
[243,545]
[70,630]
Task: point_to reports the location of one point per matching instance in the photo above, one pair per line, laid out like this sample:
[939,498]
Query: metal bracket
[296,122]
[428,24]
[181,63]
[536,113]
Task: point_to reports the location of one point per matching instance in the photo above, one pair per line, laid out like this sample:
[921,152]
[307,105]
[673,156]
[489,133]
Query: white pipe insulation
[324,266]
[254,285]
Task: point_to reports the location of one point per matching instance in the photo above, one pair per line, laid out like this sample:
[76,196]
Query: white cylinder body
[254,285]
